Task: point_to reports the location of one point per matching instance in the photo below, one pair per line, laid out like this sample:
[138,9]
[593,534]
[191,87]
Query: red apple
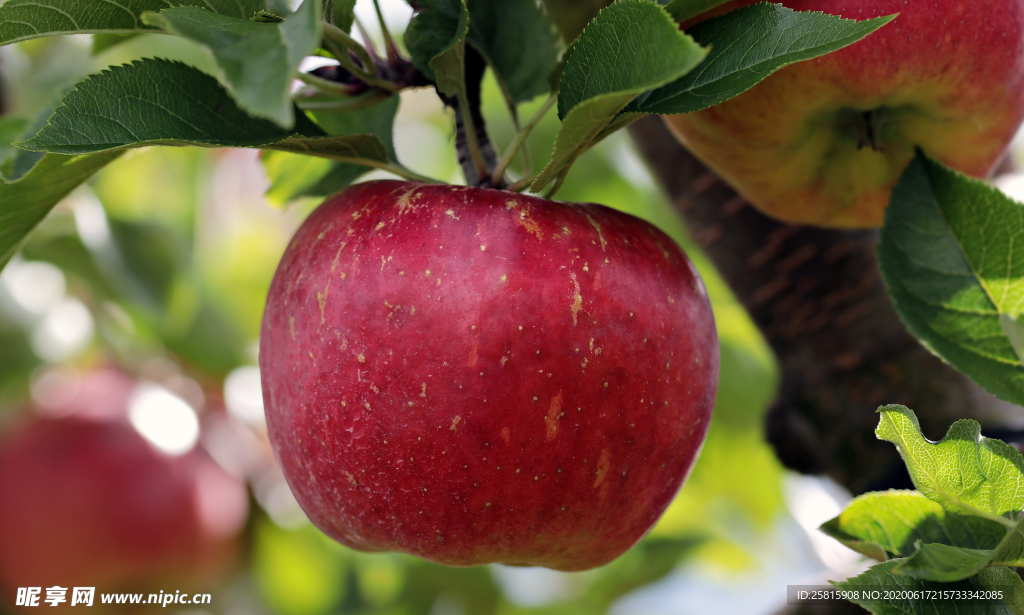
[88,501]
[477,376]
[824,141]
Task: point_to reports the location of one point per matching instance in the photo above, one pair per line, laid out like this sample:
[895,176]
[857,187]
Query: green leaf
[159,102]
[340,13]
[25,202]
[11,129]
[627,34]
[149,102]
[951,256]
[20,363]
[1010,551]
[257,61]
[15,163]
[103,41]
[967,516]
[946,563]
[24,19]
[600,75]
[19,164]
[748,45]
[1013,327]
[498,31]
[888,583]
[294,176]
[377,120]
[683,10]
[280,8]
[436,38]
[894,522]
[965,472]
[354,148]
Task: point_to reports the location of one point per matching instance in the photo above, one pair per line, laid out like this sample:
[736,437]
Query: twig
[519,185]
[325,85]
[476,153]
[368,73]
[520,140]
[389,43]
[558,183]
[467,141]
[371,47]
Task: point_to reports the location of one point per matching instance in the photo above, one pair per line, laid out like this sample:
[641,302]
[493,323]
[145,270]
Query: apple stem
[475,151]
[872,129]
[520,141]
[558,183]
[867,130]
[468,143]
[520,185]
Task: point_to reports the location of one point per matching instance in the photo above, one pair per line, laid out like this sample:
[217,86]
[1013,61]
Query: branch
[475,150]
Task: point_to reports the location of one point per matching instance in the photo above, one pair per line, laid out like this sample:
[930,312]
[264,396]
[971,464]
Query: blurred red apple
[476,376]
[89,501]
[824,141]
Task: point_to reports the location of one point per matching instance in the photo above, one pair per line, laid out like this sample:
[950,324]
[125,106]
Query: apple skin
[477,376]
[945,75]
[88,501]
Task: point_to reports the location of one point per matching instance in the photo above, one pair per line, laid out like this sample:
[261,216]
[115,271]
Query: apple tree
[483,373]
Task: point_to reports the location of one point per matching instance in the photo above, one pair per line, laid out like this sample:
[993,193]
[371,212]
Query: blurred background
[153,276]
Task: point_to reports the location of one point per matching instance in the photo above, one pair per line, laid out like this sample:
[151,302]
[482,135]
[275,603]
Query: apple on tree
[473,375]
[824,141]
[89,501]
